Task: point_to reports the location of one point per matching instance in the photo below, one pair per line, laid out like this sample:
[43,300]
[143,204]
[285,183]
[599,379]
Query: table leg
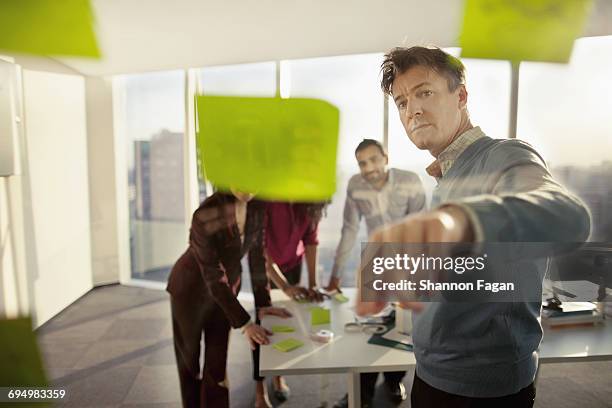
[354,390]
[323,394]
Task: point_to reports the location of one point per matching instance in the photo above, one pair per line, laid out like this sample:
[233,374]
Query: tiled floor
[113,348]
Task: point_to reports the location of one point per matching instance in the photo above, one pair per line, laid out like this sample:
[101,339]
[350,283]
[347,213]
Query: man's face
[430,113]
[372,163]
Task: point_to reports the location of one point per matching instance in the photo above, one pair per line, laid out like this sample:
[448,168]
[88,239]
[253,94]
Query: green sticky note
[282,329]
[282,149]
[48,27]
[522,30]
[19,355]
[319,315]
[288,345]
[339,297]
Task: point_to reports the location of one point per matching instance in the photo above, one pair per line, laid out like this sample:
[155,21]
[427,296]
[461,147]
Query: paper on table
[395,335]
[288,345]
[522,30]
[319,315]
[282,329]
[282,149]
[48,27]
[19,351]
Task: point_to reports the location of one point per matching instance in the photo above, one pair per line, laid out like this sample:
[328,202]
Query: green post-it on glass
[339,297]
[48,27]
[522,30]
[319,315]
[281,149]
[288,345]
[282,329]
[19,355]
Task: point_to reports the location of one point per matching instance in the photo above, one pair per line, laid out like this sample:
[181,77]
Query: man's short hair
[370,142]
[401,59]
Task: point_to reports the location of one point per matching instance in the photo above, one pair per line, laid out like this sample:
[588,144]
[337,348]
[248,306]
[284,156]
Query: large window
[564,111]
[351,84]
[154,125]
[257,79]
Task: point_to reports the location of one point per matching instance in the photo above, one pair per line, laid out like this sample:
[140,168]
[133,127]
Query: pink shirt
[288,231]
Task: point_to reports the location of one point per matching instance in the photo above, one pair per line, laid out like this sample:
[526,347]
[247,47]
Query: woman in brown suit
[204,285]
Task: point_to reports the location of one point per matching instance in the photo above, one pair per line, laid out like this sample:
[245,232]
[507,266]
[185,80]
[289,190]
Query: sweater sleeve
[206,223]
[525,203]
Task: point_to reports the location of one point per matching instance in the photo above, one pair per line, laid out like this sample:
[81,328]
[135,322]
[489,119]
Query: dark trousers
[207,389]
[424,395]
[368,382]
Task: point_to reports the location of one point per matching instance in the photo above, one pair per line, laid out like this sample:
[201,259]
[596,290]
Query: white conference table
[350,353]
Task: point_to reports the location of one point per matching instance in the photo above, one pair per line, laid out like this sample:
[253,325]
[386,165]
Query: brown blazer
[210,269]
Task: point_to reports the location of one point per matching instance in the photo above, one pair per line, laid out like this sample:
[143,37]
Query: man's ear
[386,159]
[463,97]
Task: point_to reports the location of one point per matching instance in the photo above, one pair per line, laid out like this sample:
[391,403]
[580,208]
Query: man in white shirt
[381,196]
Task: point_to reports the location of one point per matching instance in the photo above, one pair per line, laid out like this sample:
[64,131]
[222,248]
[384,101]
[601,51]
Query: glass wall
[154,124]
[563,111]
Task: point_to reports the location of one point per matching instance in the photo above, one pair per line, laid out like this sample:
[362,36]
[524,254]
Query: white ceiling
[151,35]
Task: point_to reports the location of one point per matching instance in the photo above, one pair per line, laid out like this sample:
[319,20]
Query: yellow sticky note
[19,356]
[282,149]
[288,345]
[282,329]
[522,30]
[48,27]
[319,315]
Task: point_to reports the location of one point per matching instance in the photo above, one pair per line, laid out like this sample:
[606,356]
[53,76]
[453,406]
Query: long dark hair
[311,211]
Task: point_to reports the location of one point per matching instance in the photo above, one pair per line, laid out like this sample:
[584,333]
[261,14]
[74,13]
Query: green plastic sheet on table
[19,355]
[281,149]
[282,329]
[522,30]
[319,315]
[48,27]
[288,345]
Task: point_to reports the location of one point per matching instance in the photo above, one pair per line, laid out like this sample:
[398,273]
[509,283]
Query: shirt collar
[447,157]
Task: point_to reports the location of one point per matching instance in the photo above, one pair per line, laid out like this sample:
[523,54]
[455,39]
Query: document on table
[395,335]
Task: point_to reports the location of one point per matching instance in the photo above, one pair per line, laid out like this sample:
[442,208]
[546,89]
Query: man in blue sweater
[489,190]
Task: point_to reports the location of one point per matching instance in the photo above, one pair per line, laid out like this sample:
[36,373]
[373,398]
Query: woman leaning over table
[204,285]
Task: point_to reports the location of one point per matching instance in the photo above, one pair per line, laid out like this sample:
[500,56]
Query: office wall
[56,193]
[105,249]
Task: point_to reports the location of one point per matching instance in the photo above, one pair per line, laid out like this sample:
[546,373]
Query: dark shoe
[343,402]
[397,392]
[281,394]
